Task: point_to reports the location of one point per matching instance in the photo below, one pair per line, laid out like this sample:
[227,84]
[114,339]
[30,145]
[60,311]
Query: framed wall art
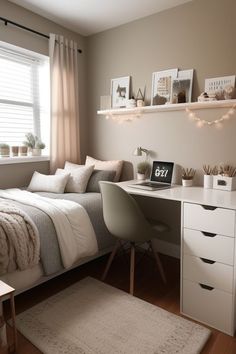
[182,87]
[162,86]
[120,89]
[219,86]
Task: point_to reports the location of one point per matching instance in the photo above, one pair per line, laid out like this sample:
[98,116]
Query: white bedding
[75,233]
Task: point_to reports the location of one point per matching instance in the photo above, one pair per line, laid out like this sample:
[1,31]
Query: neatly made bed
[51,264]
[66,219]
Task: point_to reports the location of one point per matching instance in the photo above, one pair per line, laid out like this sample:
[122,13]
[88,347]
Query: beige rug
[91,317]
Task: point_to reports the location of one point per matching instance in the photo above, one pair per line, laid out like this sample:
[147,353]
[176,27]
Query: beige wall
[18,174]
[200,35]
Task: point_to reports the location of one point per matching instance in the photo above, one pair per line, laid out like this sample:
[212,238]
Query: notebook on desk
[161,176]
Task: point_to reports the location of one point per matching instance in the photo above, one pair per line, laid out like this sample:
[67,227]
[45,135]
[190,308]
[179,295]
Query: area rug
[91,317]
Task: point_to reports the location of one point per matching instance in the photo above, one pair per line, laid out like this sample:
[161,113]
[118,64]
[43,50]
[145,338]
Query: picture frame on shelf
[120,91]
[182,87]
[162,86]
[222,87]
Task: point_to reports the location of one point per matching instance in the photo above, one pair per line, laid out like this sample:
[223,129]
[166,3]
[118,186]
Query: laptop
[161,176]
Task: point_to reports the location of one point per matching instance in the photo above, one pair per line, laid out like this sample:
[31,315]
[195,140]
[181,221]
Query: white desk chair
[126,222]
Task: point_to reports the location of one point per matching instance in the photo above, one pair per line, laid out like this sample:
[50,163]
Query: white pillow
[71,166]
[78,178]
[114,165]
[48,183]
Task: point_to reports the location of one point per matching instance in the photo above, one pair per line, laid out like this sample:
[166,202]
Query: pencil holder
[208,181]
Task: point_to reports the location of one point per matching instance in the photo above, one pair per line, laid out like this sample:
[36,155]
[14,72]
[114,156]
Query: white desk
[208,256]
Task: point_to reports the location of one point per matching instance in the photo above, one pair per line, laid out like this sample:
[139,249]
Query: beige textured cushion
[48,183]
[114,165]
[78,178]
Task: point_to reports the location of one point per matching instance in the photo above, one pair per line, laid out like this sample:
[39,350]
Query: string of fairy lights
[201,122]
[127,117]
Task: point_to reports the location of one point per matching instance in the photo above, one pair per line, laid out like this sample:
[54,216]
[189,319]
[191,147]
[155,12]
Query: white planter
[208,181]
[36,152]
[140,176]
[187,182]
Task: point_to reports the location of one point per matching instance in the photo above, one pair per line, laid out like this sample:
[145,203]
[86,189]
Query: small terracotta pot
[15,150]
[23,150]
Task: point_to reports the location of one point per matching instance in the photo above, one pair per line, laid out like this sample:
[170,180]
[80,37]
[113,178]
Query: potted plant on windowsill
[187,176]
[4,150]
[34,144]
[142,170]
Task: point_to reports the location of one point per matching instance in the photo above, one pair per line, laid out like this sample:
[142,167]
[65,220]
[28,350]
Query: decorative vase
[187,182]
[140,176]
[208,181]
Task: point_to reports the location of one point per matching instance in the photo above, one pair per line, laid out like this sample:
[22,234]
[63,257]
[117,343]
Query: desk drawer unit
[204,218]
[211,246]
[204,271]
[211,306]
[208,263]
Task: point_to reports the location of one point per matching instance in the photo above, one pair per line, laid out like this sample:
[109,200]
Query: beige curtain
[65,143]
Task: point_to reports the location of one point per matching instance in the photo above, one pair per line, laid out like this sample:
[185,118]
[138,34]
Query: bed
[50,264]
[76,185]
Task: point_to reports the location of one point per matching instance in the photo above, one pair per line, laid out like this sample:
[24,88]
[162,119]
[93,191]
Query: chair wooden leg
[132,268]
[158,262]
[109,262]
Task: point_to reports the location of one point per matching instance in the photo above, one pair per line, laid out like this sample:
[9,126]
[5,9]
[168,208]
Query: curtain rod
[6,21]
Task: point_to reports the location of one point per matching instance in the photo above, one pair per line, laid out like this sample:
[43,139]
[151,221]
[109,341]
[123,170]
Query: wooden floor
[148,286]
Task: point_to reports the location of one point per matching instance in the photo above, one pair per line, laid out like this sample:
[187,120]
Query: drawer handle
[206,287]
[209,207]
[208,234]
[205,260]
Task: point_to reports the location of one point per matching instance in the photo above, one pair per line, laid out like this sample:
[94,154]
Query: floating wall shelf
[168,107]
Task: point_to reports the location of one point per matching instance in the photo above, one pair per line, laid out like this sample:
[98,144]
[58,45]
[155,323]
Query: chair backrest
[122,215]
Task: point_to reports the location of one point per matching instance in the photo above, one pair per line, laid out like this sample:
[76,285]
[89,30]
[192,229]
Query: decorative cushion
[78,177]
[48,183]
[71,166]
[96,177]
[114,165]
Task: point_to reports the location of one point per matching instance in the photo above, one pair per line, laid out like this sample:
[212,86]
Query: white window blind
[24,96]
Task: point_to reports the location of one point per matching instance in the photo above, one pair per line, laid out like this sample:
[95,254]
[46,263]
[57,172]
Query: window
[24,95]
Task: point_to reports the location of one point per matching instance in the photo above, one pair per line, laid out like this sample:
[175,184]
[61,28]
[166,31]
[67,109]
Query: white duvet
[75,233]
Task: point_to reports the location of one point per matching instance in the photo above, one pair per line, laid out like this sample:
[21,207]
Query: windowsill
[22,159]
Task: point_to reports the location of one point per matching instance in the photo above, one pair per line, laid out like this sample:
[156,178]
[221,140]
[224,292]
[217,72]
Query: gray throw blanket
[19,239]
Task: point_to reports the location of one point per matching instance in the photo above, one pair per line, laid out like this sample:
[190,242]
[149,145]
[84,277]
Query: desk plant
[143,168]
[34,144]
[187,176]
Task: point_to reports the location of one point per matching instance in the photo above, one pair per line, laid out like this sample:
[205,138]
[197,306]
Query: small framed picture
[162,86]
[184,85]
[120,88]
[222,87]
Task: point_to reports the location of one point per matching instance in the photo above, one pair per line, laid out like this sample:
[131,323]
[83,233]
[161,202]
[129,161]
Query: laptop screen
[162,171]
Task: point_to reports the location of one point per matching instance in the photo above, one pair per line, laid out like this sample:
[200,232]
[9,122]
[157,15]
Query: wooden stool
[7,291]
